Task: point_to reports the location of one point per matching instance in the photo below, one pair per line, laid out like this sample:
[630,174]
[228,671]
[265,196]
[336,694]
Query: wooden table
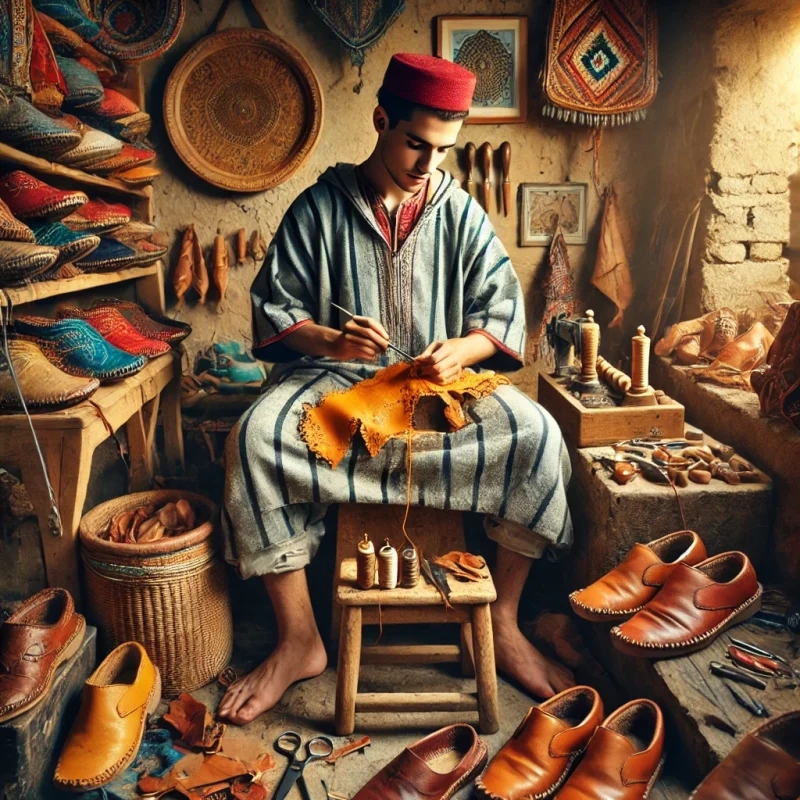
[68,440]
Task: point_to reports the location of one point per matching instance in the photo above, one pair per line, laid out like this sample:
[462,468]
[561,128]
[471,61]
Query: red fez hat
[430,81]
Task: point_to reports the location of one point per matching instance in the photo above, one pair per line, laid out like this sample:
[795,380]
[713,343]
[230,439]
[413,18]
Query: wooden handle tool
[505,154]
[486,163]
[469,154]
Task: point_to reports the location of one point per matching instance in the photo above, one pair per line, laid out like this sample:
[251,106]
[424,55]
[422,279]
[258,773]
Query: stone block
[729,253]
[771,222]
[766,251]
[731,185]
[723,203]
[770,184]
[728,209]
[30,744]
[742,285]
[723,231]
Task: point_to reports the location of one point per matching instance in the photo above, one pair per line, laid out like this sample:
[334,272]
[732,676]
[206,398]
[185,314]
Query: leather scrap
[350,747]
[194,723]
[464,566]
[382,408]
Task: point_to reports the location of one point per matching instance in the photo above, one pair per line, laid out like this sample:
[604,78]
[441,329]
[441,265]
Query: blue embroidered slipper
[25,127]
[110,255]
[83,86]
[71,245]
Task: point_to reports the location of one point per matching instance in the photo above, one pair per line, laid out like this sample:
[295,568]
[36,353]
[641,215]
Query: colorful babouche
[70,244]
[115,105]
[97,216]
[116,330]
[76,348]
[94,146]
[150,325]
[20,261]
[11,229]
[130,156]
[43,385]
[134,30]
[149,243]
[109,256]
[71,14]
[84,89]
[133,128]
[31,130]
[68,43]
[29,198]
[138,176]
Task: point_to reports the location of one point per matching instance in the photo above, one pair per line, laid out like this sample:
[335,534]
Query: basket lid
[243,109]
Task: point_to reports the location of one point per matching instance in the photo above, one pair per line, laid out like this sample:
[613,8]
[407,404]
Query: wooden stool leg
[485,675]
[347,671]
[467,656]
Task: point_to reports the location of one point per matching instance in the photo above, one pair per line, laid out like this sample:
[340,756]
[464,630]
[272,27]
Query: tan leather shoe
[107,732]
[624,758]
[44,632]
[694,607]
[537,759]
[627,588]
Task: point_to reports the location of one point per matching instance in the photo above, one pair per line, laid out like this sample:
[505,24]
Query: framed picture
[545,206]
[496,50]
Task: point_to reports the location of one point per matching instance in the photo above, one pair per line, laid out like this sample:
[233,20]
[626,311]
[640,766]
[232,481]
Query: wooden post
[485,675]
[141,429]
[172,421]
[467,656]
[347,670]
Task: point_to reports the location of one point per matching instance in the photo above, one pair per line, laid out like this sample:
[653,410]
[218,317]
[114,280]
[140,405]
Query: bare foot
[520,660]
[292,660]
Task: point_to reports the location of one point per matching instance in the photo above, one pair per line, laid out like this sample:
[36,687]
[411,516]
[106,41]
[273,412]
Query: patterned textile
[25,127]
[71,14]
[406,215]
[115,329]
[151,326]
[558,289]
[16,40]
[70,245]
[134,30]
[451,277]
[67,43]
[76,348]
[49,87]
[601,66]
[360,24]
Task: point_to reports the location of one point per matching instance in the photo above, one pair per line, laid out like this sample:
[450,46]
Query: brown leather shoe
[434,768]
[537,759]
[624,758]
[627,588]
[43,633]
[765,765]
[107,732]
[694,607]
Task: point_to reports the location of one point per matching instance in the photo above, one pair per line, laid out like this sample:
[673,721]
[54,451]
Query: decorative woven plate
[243,109]
[133,30]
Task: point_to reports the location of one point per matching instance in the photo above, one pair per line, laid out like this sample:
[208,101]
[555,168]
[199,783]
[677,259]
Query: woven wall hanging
[359,24]
[243,108]
[601,66]
[135,30]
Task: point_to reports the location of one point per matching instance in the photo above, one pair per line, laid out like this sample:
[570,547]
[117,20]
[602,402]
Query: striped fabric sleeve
[493,302]
[283,294]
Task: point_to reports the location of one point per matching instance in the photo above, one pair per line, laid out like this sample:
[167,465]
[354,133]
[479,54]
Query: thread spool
[612,376]
[387,566]
[366,563]
[590,344]
[641,362]
[409,568]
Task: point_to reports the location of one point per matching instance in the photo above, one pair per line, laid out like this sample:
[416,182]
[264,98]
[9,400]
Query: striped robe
[451,277]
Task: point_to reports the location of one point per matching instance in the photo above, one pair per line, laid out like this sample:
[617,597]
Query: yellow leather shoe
[107,732]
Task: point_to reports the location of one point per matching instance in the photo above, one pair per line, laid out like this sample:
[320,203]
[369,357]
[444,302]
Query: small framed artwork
[545,206]
[496,50]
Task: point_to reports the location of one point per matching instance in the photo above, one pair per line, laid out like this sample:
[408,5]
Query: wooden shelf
[84,179]
[39,291]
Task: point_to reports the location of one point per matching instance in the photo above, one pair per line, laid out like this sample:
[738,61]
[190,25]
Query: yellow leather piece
[107,732]
[382,408]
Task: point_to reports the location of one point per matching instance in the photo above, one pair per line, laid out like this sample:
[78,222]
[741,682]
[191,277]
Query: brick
[741,286]
[766,251]
[770,184]
[771,222]
[731,252]
[728,185]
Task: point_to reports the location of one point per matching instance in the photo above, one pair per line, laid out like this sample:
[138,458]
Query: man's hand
[362,337]
[441,362]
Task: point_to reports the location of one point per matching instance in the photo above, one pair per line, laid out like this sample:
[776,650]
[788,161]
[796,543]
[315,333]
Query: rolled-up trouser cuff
[515,537]
[288,556]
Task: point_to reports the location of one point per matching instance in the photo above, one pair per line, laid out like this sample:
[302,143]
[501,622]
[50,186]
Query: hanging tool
[289,744]
[734,674]
[469,154]
[745,701]
[505,155]
[397,350]
[486,163]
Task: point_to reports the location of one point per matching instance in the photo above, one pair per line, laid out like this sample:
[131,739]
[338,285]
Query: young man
[399,243]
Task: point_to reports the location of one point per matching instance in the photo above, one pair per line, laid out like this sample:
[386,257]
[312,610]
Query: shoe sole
[70,649]
[741,614]
[654,778]
[152,705]
[483,793]
[594,616]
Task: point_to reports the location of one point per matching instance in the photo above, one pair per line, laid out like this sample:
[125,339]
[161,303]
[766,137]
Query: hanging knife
[725,671]
[505,154]
[469,154]
[486,163]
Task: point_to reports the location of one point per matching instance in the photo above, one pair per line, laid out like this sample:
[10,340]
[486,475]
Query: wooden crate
[587,427]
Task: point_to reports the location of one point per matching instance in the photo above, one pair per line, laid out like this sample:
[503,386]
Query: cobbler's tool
[563,334]
[505,155]
[397,350]
[758,664]
[469,155]
[365,563]
[745,701]
[759,651]
[289,744]
[387,566]
[726,671]
[409,561]
[486,164]
[640,393]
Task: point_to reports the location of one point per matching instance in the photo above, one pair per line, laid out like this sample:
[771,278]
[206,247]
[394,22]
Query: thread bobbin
[366,563]
[387,566]
[590,345]
[640,361]
[409,563]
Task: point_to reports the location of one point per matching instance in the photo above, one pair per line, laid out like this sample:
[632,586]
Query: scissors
[289,744]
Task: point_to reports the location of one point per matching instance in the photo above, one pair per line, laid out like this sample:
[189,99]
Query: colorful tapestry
[358,23]
[558,290]
[16,38]
[601,66]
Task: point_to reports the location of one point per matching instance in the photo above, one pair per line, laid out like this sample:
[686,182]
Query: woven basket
[170,595]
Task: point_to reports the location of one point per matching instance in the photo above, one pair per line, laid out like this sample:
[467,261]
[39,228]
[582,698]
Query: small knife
[726,671]
[486,163]
[397,350]
[505,155]
[469,154]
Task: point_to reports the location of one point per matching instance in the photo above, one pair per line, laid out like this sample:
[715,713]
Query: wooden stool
[422,604]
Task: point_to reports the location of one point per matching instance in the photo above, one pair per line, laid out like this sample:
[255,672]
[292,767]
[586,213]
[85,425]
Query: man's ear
[380,120]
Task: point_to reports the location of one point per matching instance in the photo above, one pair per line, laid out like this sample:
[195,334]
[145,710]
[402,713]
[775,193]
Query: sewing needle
[397,350]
